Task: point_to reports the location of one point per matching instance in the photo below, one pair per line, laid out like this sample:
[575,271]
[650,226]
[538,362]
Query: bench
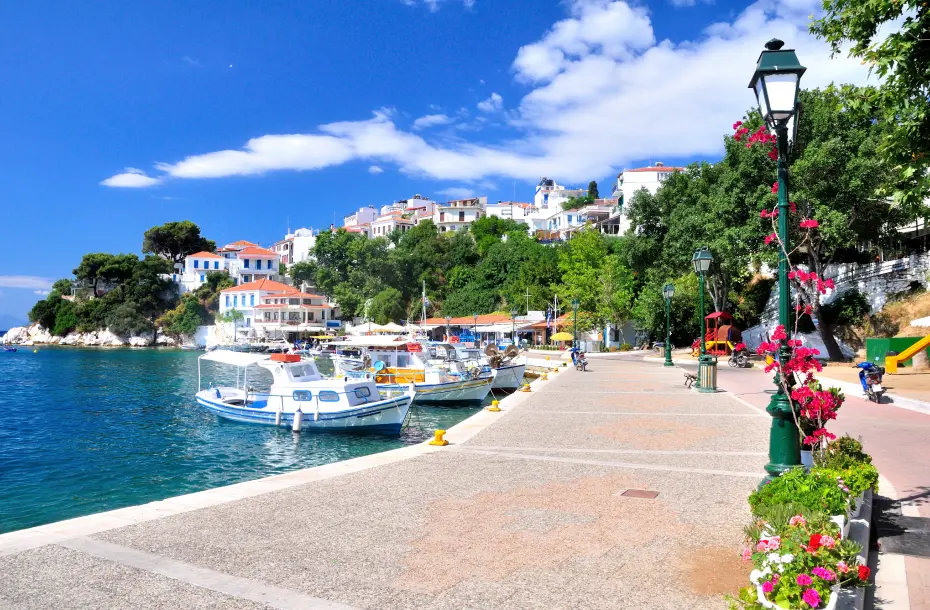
[689,379]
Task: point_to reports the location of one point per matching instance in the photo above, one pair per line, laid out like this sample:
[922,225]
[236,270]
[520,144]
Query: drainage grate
[640,493]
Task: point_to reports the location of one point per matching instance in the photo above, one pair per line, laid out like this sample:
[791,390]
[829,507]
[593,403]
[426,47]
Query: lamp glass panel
[760,95]
[782,93]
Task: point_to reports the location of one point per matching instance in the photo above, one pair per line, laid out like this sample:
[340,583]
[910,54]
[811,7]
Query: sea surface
[89,430]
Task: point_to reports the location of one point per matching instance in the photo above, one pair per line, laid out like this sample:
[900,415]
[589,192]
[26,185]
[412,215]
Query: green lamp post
[702,261]
[513,326]
[575,304]
[776,83]
[668,291]
[475,328]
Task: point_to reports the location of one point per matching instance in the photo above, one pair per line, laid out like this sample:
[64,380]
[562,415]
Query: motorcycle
[578,359]
[739,358]
[870,376]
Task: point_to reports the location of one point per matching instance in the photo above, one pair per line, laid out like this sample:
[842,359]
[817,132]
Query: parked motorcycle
[870,376]
[739,358]
[578,359]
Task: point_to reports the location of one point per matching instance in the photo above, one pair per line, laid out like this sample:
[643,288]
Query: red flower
[814,544]
[864,573]
[792,207]
[775,187]
[770,238]
[773,154]
[779,334]
[737,124]
[809,223]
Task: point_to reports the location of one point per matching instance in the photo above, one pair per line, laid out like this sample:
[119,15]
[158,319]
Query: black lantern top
[701,260]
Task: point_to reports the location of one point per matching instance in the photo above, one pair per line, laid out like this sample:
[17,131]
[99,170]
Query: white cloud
[41,293]
[433,5]
[431,120]
[131,178]
[25,281]
[191,61]
[492,104]
[605,95]
[374,169]
[457,192]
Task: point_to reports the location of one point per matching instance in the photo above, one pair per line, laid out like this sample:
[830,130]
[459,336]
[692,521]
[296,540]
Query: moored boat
[299,392]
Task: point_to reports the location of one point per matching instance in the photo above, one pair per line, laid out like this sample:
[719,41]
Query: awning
[225,356]
[502,327]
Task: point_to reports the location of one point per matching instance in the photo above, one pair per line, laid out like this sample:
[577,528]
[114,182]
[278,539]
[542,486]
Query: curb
[859,531]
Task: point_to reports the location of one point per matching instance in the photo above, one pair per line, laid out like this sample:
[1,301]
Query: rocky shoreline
[36,335]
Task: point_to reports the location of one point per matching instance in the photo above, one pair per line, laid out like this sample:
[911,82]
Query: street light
[575,304]
[776,83]
[448,331]
[475,328]
[513,329]
[668,291]
[702,260]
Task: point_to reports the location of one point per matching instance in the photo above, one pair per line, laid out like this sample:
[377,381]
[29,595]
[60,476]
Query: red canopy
[719,314]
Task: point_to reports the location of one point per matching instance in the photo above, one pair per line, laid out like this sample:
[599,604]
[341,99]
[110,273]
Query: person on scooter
[864,369]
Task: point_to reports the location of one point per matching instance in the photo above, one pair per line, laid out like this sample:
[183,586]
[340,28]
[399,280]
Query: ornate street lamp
[575,305]
[668,291]
[701,261]
[776,83]
[448,331]
[475,328]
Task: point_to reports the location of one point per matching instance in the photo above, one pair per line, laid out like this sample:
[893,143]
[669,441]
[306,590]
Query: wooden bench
[689,379]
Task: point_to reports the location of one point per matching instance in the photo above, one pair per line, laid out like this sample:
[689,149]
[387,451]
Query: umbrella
[562,336]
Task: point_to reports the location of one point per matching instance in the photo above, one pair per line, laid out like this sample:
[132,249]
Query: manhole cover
[640,493]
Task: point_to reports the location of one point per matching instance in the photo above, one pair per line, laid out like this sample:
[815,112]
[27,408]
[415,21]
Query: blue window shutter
[245,263]
[196,264]
[202,277]
[227,300]
[252,300]
[258,264]
[216,264]
[236,300]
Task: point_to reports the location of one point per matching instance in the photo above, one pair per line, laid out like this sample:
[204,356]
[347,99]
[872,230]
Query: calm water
[88,430]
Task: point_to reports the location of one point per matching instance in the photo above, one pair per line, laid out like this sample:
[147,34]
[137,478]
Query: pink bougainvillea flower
[779,334]
[737,124]
[770,238]
[746,554]
[809,223]
[811,598]
[792,207]
[804,580]
[773,154]
[775,187]
[739,346]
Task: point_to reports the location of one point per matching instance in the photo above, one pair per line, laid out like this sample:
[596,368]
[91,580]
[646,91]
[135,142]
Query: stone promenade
[613,488]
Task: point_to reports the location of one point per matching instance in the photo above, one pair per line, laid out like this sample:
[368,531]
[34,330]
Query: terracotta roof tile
[204,255]
[266,285]
[256,251]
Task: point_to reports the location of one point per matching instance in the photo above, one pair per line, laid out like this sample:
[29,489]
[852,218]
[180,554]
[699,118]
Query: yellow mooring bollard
[555,370]
[526,388]
[547,357]
[544,377]
[494,406]
[438,438]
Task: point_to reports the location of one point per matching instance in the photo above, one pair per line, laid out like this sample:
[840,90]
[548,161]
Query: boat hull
[467,391]
[384,416]
[508,377]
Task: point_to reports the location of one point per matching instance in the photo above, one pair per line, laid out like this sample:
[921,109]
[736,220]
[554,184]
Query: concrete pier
[612,488]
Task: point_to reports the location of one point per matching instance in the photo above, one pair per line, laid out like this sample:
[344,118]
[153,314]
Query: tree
[65,319]
[303,272]
[45,311]
[176,240]
[580,262]
[62,286]
[232,316]
[209,292]
[615,300]
[386,306]
[89,269]
[183,319]
[592,190]
[126,320]
[902,99]
[574,203]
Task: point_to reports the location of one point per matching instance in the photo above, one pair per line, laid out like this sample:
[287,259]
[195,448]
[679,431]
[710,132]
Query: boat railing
[310,397]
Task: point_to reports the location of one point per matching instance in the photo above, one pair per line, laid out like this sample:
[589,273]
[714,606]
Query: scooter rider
[864,369]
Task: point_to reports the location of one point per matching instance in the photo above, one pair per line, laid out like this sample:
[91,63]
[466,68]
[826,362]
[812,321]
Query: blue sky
[242,116]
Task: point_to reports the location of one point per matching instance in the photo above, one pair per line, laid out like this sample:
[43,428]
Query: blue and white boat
[299,392]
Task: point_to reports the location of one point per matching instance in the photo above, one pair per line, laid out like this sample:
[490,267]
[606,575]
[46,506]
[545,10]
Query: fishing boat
[190,347]
[507,366]
[9,349]
[396,362]
[299,393]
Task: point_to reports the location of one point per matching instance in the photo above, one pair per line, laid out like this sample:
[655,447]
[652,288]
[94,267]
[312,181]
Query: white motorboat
[507,367]
[298,391]
[396,363]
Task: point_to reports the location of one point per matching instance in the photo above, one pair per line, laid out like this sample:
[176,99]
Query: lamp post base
[784,444]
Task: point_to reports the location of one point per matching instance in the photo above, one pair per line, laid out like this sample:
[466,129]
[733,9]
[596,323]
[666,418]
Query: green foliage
[65,319]
[751,301]
[303,272]
[890,36]
[625,347]
[183,319]
[845,458]
[592,190]
[126,320]
[387,306]
[209,292]
[108,268]
[574,203]
[815,491]
[848,308]
[45,311]
[62,286]
[175,240]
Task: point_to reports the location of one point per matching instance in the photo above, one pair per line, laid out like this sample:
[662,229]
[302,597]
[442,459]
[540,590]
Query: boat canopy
[234,358]
[373,341]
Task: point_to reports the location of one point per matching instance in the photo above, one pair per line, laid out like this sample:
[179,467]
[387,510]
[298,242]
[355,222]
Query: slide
[892,362]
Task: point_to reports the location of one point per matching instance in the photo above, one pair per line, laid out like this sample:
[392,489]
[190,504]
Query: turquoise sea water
[88,430]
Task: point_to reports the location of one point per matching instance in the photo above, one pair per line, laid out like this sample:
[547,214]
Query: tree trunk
[826,334]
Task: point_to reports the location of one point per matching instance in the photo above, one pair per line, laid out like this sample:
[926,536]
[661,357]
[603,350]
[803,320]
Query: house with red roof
[273,309]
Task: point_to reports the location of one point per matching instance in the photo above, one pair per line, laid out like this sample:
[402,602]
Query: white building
[362,229]
[550,196]
[388,223]
[511,210]
[193,271]
[454,215]
[252,264]
[295,247]
[245,297]
[290,311]
[419,208]
[361,216]
[631,180]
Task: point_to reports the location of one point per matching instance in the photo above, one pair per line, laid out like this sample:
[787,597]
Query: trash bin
[707,373]
[660,346]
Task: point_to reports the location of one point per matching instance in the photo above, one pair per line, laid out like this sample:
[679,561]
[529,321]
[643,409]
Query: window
[202,278]
[302,395]
[403,360]
[569,219]
[245,263]
[248,322]
[461,216]
[251,300]
[442,217]
[258,264]
[362,392]
[216,264]
[328,396]
[196,264]
[227,300]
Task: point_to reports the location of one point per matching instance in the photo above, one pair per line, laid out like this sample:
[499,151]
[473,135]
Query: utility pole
[527,301]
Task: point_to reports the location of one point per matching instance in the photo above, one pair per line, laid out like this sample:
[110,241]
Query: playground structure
[892,362]
[720,335]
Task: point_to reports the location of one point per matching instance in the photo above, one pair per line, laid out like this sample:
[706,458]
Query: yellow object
[547,357]
[526,388]
[544,377]
[35,351]
[438,438]
[494,406]
[562,336]
[555,370]
[769,359]
[892,362]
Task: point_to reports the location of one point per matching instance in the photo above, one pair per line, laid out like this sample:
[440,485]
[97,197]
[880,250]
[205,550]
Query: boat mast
[423,303]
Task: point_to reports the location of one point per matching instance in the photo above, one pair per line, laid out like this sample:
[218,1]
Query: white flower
[755,576]
[787,558]
[774,557]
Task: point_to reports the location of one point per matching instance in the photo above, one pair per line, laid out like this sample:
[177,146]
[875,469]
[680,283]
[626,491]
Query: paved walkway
[542,508]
